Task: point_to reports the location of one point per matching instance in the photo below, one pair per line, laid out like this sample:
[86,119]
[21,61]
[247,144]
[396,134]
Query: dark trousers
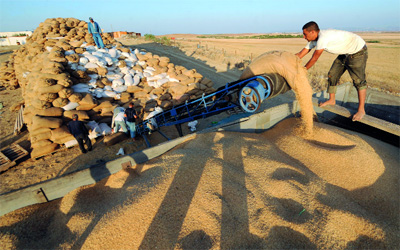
[84,139]
[355,64]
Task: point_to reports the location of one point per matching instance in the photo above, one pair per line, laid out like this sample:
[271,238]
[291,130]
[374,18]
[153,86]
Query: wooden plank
[367,119]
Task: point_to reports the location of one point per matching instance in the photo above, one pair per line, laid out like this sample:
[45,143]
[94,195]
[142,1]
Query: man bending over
[352,56]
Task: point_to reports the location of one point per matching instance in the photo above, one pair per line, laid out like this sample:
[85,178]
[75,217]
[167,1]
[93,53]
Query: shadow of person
[196,240]
[365,242]
[170,216]
[281,237]
[235,228]
[33,230]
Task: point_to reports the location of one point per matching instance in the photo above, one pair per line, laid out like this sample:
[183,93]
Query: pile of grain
[61,73]
[274,190]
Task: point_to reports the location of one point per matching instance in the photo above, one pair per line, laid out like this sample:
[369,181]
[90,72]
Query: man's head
[75,117]
[310,31]
[91,19]
[131,105]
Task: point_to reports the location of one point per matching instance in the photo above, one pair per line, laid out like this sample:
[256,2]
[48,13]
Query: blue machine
[247,94]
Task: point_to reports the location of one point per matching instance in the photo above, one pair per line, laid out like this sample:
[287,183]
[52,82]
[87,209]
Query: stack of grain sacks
[62,73]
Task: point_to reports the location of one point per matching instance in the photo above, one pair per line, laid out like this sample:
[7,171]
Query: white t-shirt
[119,117]
[337,42]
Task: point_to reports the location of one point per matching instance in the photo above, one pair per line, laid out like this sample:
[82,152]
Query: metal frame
[203,107]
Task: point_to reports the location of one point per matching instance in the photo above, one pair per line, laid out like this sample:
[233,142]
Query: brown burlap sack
[189,72]
[141,57]
[73,58]
[50,89]
[46,82]
[57,56]
[65,93]
[82,115]
[91,71]
[102,71]
[39,131]
[106,111]
[76,43]
[80,74]
[166,96]
[105,81]
[60,102]
[48,97]
[75,97]
[63,140]
[45,122]
[87,102]
[59,133]
[166,104]
[157,91]
[134,89]
[188,81]
[181,77]
[85,107]
[152,62]
[65,81]
[207,82]
[103,105]
[138,68]
[41,143]
[178,89]
[53,111]
[163,64]
[41,136]
[52,67]
[124,49]
[41,151]
[121,64]
[38,104]
[80,50]
[141,94]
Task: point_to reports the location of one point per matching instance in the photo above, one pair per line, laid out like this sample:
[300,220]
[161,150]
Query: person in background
[352,56]
[80,132]
[119,120]
[95,31]
[130,114]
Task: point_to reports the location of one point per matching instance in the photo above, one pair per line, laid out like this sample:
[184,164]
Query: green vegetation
[3,36]
[251,37]
[373,41]
[20,34]
[163,40]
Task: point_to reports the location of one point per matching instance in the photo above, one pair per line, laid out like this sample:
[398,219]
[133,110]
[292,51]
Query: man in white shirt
[119,120]
[353,55]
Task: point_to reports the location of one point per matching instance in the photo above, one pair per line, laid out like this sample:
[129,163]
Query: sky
[161,17]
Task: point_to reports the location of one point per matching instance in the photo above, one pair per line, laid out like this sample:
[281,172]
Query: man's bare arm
[302,53]
[314,58]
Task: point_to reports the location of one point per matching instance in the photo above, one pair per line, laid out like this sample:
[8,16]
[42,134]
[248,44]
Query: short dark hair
[311,26]
[75,116]
[131,104]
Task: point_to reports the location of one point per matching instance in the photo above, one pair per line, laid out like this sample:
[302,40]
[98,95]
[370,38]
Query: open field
[382,67]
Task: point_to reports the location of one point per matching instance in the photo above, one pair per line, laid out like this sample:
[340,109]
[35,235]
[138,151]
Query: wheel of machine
[249,99]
